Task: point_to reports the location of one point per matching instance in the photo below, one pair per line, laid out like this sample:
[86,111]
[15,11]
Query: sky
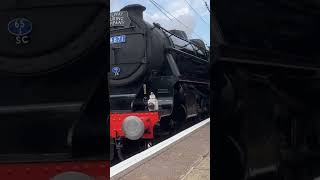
[196,20]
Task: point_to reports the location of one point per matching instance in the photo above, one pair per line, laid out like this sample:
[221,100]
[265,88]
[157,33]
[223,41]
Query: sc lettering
[22,40]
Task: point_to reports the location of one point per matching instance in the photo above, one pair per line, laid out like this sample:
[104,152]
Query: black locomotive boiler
[53,101]
[158,79]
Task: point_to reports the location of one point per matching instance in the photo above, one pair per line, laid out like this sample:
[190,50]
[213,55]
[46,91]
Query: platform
[186,159]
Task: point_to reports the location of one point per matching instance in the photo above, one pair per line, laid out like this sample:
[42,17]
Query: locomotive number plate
[118,39]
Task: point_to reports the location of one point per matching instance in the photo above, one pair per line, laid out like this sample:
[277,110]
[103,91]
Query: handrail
[157,25]
[188,54]
[69,106]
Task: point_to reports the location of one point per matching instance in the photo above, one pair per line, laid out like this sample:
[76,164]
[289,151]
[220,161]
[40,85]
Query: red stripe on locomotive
[99,170]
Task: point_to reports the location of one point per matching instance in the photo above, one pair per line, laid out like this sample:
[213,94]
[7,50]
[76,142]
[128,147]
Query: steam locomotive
[267,95]
[158,79]
[53,100]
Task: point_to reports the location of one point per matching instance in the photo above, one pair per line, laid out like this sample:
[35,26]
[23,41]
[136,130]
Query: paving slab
[200,171]
[187,159]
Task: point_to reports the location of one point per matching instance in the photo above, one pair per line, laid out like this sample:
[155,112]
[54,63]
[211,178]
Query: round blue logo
[20,26]
[116,71]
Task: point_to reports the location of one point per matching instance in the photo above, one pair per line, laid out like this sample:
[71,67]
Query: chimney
[135,10]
